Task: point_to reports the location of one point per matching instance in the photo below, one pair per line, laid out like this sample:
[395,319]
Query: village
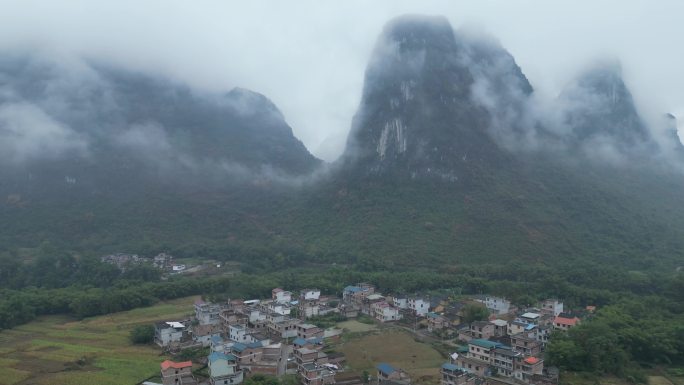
[279,336]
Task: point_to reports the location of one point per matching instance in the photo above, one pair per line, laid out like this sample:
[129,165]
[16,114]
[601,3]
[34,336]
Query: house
[542,334]
[247,353]
[307,331]
[204,333]
[306,355]
[565,322]
[388,374]
[528,368]
[517,327]
[480,349]
[384,312]
[311,343]
[368,301]
[313,374]
[276,307]
[310,294]
[504,359]
[281,296]
[309,308]
[453,375]
[530,318]
[436,322]
[217,344]
[399,301]
[166,333]
[232,315]
[162,261]
[482,329]
[419,306]
[287,328]
[239,333]
[525,344]
[356,294]
[177,373]
[551,306]
[497,305]
[500,327]
[472,365]
[208,313]
[223,369]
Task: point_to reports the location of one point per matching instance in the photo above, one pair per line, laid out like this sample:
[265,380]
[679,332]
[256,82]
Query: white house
[497,305]
[281,296]
[310,294]
[399,301]
[168,332]
[384,312]
[240,333]
[552,306]
[419,306]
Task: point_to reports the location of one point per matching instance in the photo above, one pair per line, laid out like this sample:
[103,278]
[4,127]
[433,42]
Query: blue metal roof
[386,368]
[487,344]
[216,340]
[221,356]
[450,366]
[299,341]
[353,289]
[238,347]
[254,345]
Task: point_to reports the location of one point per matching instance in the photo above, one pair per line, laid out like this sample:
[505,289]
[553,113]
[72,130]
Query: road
[284,355]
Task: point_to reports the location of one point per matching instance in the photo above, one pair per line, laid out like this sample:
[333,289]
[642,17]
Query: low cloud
[27,133]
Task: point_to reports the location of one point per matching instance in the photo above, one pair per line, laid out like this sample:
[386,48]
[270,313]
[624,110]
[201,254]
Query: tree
[142,334]
[261,379]
[474,312]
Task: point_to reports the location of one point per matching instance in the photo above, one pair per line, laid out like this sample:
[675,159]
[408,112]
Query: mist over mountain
[451,157]
[90,124]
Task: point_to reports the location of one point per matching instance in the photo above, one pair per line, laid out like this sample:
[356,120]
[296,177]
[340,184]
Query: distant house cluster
[267,336]
[274,336]
[362,298]
[509,344]
[124,261]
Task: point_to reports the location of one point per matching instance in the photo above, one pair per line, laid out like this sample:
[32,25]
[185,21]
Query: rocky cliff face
[600,110]
[435,102]
[416,116]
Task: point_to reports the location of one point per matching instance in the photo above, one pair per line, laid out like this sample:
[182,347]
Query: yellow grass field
[398,348]
[59,350]
[354,326]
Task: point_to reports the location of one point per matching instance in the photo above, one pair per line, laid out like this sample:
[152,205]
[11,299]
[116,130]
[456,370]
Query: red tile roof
[176,365]
[566,321]
[531,360]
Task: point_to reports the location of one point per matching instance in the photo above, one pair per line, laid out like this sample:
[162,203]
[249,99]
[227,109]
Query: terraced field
[61,350]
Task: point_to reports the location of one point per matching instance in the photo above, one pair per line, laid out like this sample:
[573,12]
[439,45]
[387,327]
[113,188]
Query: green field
[397,348]
[59,350]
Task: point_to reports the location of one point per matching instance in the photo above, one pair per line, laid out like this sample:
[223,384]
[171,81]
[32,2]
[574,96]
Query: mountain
[98,127]
[600,109]
[416,116]
[436,172]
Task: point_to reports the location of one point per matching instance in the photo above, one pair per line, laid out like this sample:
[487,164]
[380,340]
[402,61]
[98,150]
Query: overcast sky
[309,56]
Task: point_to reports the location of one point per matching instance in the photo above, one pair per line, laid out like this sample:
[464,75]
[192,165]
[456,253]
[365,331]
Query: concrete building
[177,373]
[223,369]
[166,333]
[497,305]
